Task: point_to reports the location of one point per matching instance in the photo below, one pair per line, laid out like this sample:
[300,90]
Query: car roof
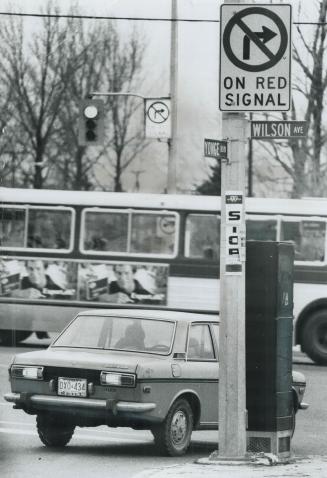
[159,314]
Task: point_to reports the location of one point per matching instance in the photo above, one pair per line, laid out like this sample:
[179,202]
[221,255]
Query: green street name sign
[278,129]
[215,149]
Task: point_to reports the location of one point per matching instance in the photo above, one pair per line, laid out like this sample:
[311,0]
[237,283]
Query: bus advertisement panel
[108,282]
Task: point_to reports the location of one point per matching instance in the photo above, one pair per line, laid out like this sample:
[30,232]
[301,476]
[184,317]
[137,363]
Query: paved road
[121,453]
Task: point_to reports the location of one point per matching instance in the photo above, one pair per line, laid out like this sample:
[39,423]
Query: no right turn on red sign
[255,57]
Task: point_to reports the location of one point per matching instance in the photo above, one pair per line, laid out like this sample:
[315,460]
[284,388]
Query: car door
[201,370]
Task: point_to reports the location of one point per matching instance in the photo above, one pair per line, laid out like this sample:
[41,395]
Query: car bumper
[21,399]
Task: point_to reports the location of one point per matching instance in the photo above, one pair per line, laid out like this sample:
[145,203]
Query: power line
[92,17]
[143,19]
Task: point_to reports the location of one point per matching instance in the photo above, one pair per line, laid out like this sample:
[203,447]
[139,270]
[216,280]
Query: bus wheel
[52,431]
[11,337]
[314,337]
[174,435]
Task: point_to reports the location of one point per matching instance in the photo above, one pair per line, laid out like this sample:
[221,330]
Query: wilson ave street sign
[278,129]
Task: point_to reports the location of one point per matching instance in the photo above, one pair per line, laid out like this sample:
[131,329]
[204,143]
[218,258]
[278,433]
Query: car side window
[200,346]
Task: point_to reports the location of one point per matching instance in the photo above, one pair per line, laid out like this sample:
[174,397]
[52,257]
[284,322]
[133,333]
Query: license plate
[72,387]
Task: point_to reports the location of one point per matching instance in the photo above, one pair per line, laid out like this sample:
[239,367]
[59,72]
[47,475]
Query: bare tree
[75,163]
[66,60]
[316,80]
[8,158]
[301,158]
[122,75]
[109,64]
[38,74]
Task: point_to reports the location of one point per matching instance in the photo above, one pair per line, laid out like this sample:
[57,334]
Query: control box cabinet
[269,328]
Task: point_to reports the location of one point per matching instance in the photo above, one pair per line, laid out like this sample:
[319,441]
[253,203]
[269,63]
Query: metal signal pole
[172,142]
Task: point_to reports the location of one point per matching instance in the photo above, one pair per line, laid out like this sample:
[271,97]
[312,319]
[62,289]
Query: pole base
[216,459]
[276,443]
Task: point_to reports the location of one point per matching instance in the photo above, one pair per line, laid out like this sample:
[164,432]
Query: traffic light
[91,123]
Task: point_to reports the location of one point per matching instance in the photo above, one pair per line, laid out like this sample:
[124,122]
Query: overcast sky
[198,66]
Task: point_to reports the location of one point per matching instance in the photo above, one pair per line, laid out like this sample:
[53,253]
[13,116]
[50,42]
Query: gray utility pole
[232,391]
[173,141]
[250,163]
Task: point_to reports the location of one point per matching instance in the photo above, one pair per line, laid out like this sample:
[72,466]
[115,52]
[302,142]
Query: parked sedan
[145,369]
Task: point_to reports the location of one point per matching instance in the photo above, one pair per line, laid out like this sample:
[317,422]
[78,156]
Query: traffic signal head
[91,123]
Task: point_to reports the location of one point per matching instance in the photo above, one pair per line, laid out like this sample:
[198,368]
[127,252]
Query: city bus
[67,251]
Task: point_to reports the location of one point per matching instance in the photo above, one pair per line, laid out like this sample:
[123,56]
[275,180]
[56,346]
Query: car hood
[87,359]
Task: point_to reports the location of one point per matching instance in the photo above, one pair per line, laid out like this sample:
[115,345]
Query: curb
[299,467]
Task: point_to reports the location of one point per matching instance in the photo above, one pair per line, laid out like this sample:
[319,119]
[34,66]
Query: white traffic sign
[157,118]
[255,57]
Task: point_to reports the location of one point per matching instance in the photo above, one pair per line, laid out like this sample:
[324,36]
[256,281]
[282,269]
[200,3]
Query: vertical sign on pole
[254,76]
[157,118]
[235,233]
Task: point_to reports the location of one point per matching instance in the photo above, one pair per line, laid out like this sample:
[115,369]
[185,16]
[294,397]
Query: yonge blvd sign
[255,57]
[215,149]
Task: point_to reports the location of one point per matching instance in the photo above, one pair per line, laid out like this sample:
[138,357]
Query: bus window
[261,230]
[49,229]
[202,236]
[153,233]
[308,238]
[106,231]
[12,227]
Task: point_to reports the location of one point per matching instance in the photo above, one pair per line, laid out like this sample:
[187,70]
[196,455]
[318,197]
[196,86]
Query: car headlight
[117,379]
[28,372]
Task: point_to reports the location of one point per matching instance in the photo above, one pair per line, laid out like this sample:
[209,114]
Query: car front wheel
[173,436]
[52,433]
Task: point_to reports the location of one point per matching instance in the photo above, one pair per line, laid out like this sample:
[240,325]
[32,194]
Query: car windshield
[118,333]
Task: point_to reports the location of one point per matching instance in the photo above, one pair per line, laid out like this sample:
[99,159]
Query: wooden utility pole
[232,392]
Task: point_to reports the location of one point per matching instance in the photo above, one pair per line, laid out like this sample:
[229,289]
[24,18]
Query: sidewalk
[308,467]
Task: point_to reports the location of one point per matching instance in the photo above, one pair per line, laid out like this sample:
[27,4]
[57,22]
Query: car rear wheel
[314,337]
[173,436]
[52,432]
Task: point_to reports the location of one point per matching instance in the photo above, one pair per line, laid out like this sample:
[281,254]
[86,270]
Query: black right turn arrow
[265,35]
